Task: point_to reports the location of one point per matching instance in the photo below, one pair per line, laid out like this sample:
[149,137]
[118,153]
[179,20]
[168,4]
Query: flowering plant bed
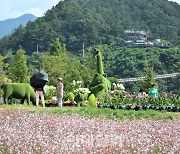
[51,105]
[168,102]
[138,107]
[69,103]
[51,102]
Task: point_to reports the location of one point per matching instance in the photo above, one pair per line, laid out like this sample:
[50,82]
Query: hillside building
[140,39]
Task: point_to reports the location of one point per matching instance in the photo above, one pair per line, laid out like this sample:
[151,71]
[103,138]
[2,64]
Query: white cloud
[15,8]
[35,11]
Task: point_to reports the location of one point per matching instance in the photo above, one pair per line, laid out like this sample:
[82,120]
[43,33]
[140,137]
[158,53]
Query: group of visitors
[153,92]
[40,92]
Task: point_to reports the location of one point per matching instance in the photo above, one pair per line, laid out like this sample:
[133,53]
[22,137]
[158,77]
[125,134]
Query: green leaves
[2,73]
[149,78]
[57,48]
[18,70]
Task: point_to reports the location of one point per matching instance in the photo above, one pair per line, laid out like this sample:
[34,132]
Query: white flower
[82,90]
[114,84]
[121,86]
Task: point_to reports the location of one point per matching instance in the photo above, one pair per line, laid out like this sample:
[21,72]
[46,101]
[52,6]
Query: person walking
[59,92]
[39,93]
[153,92]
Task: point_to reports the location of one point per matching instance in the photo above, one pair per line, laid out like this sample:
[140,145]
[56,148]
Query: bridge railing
[141,78]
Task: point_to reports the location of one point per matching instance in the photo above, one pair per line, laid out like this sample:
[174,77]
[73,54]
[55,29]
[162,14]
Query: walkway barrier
[141,78]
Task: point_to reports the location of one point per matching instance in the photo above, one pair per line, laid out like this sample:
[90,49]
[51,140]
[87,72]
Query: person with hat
[59,92]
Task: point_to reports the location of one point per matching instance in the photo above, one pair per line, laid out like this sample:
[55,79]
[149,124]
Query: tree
[2,73]
[149,78]
[57,48]
[18,70]
[60,64]
[68,69]
[55,66]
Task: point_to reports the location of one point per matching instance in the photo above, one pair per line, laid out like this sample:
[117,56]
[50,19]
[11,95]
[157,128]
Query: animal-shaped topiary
[100,84]
[20,91]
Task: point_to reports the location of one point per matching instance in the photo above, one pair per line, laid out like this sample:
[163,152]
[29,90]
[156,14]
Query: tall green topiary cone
[92,101]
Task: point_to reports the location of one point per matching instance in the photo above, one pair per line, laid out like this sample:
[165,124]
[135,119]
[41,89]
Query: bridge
[141,78]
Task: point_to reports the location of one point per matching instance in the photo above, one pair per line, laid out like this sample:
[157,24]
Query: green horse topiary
[20,91]
[100,84]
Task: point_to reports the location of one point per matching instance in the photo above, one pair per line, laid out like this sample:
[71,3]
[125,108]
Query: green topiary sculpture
[92,101]
[100,84]
[20,91]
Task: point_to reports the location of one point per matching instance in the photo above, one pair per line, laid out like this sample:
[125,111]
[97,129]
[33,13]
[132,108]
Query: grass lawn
[97,113]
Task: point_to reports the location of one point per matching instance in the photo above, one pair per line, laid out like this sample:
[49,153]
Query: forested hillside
[94,22]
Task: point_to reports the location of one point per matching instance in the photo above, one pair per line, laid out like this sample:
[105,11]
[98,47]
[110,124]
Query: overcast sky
[15,8]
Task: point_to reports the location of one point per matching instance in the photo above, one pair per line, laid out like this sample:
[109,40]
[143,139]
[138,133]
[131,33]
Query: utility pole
[37,48]
[152,61]
[83,49]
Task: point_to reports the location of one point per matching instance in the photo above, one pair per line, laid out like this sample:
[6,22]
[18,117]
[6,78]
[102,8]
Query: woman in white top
[141,93]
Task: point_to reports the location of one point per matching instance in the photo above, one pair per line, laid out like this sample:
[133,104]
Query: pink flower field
[27,133]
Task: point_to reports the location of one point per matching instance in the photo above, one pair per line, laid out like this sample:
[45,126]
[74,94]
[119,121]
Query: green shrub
[82,104]
[81,94]
[92,100]
[71,96]
[50,91]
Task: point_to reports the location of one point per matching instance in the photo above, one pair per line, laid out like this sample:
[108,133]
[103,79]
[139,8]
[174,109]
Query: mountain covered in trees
[7,26]
[96,22]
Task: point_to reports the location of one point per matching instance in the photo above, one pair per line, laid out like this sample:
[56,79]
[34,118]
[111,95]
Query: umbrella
[39,79]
